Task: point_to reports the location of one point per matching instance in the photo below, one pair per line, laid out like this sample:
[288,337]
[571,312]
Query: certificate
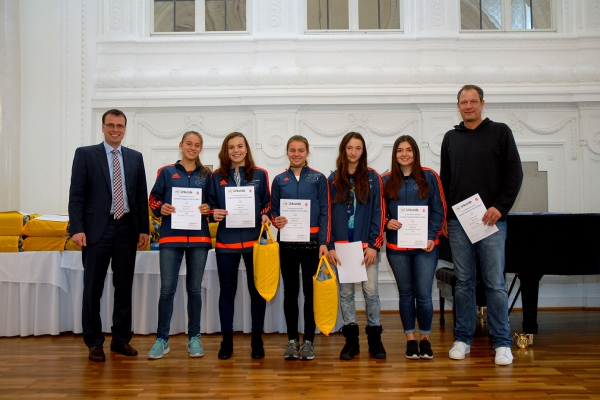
[297,213]
[413,233]
[239,203]
[187,212]
[469,213]
[351,256]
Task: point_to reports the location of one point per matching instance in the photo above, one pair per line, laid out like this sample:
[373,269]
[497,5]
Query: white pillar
[10,104]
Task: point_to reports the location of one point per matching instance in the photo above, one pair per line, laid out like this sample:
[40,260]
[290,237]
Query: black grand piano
[549,244]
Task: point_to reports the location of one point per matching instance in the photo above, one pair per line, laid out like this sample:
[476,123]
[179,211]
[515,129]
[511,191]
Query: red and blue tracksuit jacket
[409,196]
[368,218]
[239,240]
[311,186]
[168,177]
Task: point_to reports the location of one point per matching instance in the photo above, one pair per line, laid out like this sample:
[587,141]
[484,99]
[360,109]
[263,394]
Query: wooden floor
[562,363]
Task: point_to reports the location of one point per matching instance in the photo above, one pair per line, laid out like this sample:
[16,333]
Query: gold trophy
[523,339]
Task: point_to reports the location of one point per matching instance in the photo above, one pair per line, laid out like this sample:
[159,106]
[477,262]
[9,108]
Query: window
[506,15]
[352,15]
[199,16]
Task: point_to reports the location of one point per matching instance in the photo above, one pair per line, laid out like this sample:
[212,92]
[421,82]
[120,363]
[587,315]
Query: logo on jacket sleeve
[175,176]
[223,182]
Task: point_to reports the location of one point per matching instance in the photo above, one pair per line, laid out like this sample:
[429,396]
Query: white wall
[79,58]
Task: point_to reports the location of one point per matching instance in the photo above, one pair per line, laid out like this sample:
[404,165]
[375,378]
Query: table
[41,293]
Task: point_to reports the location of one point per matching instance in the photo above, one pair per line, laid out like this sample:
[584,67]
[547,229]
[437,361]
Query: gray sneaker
[291,352]
[307,352]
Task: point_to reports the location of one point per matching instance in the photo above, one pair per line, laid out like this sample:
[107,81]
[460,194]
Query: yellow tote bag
[325,297]
[266,265]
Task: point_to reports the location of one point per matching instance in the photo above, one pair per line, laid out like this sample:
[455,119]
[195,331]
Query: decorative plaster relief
[115,13]
[441,125]
[518,121]
[193,124]
[438,14]
[275,130]
[274,13]
[594,129]
[594,13]
[360,124]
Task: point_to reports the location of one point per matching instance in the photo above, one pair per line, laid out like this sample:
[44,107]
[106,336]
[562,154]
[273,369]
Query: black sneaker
[425,349]
[412,350]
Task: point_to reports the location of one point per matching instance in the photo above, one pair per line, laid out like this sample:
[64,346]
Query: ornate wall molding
[519,120]
[191,124]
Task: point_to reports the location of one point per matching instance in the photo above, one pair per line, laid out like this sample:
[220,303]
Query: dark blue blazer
[90,196]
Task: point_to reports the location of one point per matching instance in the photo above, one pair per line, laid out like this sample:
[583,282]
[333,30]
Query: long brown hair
[197,160]
[225,161]
[342,176]
[396,180]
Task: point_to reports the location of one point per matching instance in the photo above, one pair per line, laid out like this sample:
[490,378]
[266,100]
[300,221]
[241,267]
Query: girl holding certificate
[240,201]
[357,215]
[413,265]
[310,219]
[188,173]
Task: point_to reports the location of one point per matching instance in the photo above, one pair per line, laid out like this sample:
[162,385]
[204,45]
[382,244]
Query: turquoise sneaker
[160,348]
[195,347]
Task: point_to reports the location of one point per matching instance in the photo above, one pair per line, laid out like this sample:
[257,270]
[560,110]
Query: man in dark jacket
[480,157]
[108,212]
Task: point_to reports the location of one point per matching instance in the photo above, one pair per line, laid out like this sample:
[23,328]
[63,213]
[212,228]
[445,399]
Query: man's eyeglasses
[113,126]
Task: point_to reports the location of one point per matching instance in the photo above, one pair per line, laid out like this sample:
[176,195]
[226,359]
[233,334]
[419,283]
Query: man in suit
[108,212]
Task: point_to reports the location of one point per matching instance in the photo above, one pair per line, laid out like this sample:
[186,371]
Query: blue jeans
[414,271]
[170,262]
[370,293]
[491,256]
[228,265]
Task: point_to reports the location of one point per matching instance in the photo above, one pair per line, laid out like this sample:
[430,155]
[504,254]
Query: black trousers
[117,244]
[291,256]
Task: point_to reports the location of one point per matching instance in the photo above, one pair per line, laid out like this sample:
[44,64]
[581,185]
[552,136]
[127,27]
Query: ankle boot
[258,350]
[374,338]
[226,346]
[351,348]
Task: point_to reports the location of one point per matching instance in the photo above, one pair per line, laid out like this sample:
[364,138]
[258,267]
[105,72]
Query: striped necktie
[117,186]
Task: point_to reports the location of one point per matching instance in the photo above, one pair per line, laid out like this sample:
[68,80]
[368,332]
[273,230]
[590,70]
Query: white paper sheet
[351,256]
[297,213]
[187,212]
[469,213]
[413,233]
[239,203]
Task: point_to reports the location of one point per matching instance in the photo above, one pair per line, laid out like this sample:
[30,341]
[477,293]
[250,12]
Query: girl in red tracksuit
[237,169]
[300,182]
[188,173]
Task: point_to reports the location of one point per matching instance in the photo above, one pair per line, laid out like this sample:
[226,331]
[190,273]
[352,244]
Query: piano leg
[530,285]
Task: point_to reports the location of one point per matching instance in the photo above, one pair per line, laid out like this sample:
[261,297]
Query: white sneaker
[459,350]
[503,356]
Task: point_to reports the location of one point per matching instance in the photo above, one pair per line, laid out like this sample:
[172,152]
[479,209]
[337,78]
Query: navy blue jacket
[90,195]
[368,218]
[168,177]
[239,240]
[409,196]
[311,186]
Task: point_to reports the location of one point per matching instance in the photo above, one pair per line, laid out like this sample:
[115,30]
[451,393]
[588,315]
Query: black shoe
[226,347]
[123,348]
[425,349]
[376,348]
[97,354]
[412,350]
[351,348]
[258,351]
